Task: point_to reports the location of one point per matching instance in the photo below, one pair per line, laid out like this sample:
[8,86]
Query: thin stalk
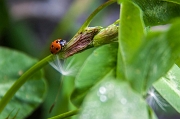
[89,19]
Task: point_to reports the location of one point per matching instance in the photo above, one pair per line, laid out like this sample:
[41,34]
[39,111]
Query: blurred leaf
[30,95]
[173,37]
[168,87]
[111,99]
[131,32]
[143,61]
[151,62]
[156,12]
[96,66]
[155,57]
[173,34]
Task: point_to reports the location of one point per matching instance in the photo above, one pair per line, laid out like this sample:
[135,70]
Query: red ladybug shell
[55,46]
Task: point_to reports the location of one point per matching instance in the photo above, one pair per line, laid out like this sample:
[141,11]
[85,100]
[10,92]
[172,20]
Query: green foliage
[130,23]
[111,81]
[143,57]
[13,64]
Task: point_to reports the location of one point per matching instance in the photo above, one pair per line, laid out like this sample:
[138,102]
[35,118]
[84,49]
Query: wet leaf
[13,64]
[111,99]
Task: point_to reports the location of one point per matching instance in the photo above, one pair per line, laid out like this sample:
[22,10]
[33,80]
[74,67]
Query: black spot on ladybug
[56,48]
[57,41]
[52,52]
[52,46]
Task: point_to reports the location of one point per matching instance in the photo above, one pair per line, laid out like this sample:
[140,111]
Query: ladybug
[57,45]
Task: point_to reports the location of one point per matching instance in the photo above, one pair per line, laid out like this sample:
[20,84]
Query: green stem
[87,22]
[65,115]
[89,19]
[10,93]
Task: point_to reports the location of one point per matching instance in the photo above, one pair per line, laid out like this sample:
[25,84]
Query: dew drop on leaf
[102,90]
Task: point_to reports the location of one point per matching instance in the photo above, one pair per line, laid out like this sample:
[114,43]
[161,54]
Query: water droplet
[102,90]
[123,101]
[103,98]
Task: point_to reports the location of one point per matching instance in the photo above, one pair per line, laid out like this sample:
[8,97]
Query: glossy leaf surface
[111,99]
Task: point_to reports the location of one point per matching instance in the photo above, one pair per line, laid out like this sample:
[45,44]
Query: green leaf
[101,61]
[173,37]
[151,62]
[155,57]
[156,12]
[13,64]
[143,60]
[168,87]
[111,99]
[131,32]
